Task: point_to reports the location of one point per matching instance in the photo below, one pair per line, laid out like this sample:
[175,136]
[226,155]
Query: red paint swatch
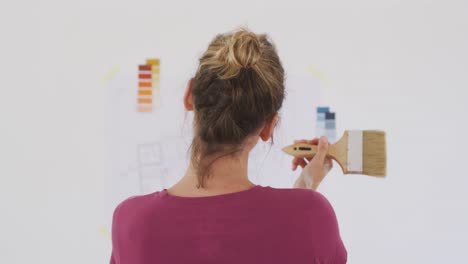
[144,67]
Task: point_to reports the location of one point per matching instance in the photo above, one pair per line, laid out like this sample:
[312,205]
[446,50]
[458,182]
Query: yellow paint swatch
[155,81]
[154,62]
[144,92]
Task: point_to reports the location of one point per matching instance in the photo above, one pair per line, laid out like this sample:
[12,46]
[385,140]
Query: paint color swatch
[148,86]
[326,124]
[320,124]
[330,126]
[155,80]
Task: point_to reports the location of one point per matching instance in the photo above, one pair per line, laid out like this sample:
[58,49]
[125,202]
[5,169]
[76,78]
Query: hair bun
[238,88]
[242,50]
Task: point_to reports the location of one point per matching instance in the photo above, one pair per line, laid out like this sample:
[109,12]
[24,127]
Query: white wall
[394,65]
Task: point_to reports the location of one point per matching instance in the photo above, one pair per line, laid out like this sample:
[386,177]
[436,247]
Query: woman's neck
[227,175]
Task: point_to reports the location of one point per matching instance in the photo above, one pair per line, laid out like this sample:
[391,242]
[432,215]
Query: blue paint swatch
[326,123]
[330,126]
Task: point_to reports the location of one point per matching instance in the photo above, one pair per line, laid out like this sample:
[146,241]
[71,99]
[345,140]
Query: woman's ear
[267,130]
[188,102]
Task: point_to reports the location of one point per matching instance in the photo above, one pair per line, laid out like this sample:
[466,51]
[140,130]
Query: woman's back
[258,225]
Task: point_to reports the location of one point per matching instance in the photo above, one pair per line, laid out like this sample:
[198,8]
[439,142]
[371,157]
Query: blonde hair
[238,87]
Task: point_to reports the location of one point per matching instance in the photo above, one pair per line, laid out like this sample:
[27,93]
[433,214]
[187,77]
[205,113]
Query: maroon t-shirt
[258,225]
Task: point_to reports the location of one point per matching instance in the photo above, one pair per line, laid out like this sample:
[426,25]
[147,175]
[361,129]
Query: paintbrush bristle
[374,154]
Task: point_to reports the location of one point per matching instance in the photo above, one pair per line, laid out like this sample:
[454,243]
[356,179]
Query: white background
[395,65]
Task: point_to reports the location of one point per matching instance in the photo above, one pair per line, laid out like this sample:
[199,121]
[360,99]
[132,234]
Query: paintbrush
[357,152]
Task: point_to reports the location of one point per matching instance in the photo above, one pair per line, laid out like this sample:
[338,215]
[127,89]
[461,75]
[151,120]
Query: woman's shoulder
[308,197]
[136,203]
[304,203]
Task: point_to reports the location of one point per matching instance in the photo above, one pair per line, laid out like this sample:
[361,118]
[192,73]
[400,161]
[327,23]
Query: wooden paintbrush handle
[303,150]
[336,152]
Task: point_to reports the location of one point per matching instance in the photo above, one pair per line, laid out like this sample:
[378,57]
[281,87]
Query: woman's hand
[315,169]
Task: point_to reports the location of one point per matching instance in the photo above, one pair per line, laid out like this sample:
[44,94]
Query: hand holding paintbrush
[357,152]
[314,169]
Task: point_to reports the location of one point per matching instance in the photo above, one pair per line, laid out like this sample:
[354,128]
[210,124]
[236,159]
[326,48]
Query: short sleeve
[115,255]
[327,228]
